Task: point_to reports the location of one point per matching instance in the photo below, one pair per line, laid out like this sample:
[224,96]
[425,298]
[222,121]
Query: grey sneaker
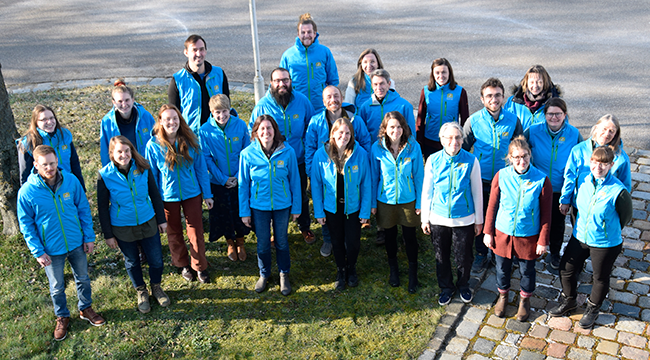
[160,295]
[143,299]
[261,284]
[285,285]
[326,249]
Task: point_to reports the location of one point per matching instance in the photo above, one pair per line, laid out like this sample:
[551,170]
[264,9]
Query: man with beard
[192,87]
[292,112]
[318,134]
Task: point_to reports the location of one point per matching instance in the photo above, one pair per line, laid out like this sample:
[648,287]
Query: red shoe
[309,237]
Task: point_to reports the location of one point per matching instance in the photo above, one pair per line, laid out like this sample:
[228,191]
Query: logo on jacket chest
[505,134]
[280,163]
[450,96]
[355,168]
[296,116]
[318,64]
[66,196]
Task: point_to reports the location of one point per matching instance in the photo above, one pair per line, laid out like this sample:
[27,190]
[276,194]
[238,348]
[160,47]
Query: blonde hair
[219,102]
[518,143]
[306,19]
[334,150]
[32,136]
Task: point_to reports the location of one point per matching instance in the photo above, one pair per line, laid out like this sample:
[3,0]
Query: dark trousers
[557,226]
[410,241]
[304,220]
[345,232]
[224,215]
[602,261]
[461,237]
[481,249]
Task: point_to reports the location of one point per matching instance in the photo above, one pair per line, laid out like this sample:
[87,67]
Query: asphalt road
[597,51]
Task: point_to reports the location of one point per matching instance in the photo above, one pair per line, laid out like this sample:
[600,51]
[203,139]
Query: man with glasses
[489,131]
[292,111]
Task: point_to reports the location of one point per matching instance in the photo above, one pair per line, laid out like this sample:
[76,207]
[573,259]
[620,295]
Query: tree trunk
[9,184]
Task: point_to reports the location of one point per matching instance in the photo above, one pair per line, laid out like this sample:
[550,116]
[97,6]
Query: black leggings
[409,239]
[345,232]
[602,261]
[443,237]
[557,226]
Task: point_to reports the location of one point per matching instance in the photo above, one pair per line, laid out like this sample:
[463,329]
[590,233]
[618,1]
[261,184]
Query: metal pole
[258,82]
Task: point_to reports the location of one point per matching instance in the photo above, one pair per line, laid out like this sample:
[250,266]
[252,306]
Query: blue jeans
[152,248]
[54,271]
[262,222]
[526,269]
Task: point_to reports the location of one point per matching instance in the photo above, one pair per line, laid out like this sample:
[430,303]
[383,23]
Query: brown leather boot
[232,252]
[500,307]
[524,308]
[241,251]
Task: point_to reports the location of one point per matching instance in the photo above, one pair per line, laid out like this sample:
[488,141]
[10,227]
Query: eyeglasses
[457,138]
[555,115]
[278,81]
[493,96]
[519,158]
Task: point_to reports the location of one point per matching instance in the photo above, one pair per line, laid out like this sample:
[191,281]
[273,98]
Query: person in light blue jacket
[341,190]
[551,143]
[269,193]
[291,111]
[311,65]
[604,207]
[178,166]
[127,118]
[222,138]
[529,98]
[359,88]
[397,175]
[55,220]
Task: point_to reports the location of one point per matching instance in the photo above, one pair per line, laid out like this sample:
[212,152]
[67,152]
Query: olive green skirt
[400,214]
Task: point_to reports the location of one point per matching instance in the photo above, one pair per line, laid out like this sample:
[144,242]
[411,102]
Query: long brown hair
[539,70]
[140,162]
[334,150]
[33,136]
[184,137]
[406,130]
[278,138]
[360,77]
[432,81]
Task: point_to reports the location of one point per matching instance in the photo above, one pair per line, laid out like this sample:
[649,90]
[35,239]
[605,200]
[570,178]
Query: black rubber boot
[393,279]
[353,279]
[413,277]
[340,279]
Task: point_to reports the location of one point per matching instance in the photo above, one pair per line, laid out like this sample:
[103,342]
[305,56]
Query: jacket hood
[518,92]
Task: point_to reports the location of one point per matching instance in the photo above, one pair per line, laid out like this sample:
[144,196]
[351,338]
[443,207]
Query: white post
[258,82]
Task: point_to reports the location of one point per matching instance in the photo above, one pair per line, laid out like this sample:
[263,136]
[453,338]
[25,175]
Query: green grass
[225,319]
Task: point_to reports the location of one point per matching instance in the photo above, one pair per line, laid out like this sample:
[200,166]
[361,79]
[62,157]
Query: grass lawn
[226,318]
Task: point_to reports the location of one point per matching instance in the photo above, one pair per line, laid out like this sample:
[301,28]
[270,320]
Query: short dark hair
[557,102]
[279,69]
[492,82]
[43,150]
[193,39]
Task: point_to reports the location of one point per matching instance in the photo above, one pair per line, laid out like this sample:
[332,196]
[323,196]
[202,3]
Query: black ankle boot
[413,277]
[393,279]
[567,305]
[590,315]
[353,279]
[340,279]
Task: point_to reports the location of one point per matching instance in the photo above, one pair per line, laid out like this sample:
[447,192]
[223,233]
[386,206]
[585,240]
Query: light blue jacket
[129,195]
[550,153]
[189,92]
[311,70]
[54,223]
[222,147]
[109,128]
[451,195]
[442,107]
[519,203]
[269,184]
[598,223]
[356,177]
[525,116]
[318,133]
[372,111]
[292,121]
[578,166]
[61,141]
[183,181]
[397,181]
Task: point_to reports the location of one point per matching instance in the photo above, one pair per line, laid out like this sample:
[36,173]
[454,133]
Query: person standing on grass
[318,134]
[132,215]
[397,175]
[551,143]
[45,128]
[452,210]
[192,86]
[222,138]
[517,224]
[604,207]
[489,132]
[127,118]
[269,194]
[178,166]
[291,111]
[310,64]
[341,189]
[441,101]
[55,219]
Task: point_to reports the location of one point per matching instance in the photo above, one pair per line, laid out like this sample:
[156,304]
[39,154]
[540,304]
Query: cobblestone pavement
[622,331]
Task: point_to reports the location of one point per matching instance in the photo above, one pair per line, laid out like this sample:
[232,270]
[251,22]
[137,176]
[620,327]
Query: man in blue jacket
[192,86]
[489,132]
[292,112]
[55,220]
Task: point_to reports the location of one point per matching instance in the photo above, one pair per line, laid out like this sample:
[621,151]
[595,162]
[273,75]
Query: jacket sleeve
[244,185]
[75,166]
[103,211]
[294,184]
[427,191]
[493,207]
[418,174]
[375,170]
[545,207]
[202,175]
[361,133]
[156,199]
[624,207]
[25,164]
[624,173]
[211,161]
[172,94]
[104,140]
[463,108]
[350,95]
[27,221]
[410,119]
[311,145]
[421,119]
[477,192]
[366,188]
[570,178]
[469,136]
[83,213]
[155,172]
[317,189]
[332,71]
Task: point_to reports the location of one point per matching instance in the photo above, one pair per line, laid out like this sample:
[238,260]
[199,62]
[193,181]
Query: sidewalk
[472,331]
